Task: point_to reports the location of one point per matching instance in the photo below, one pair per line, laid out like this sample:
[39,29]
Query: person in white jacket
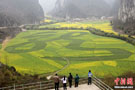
[64,81]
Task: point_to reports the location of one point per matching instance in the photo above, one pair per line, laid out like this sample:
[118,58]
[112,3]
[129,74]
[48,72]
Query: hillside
[81,9]
[9,75]
[8,32]
[126,17]
[115,8]
[13,13]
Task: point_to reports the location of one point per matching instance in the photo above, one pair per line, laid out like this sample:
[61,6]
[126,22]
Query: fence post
[40,85]
[22,87]
[14,86]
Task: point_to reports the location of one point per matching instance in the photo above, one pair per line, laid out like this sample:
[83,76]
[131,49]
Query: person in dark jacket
[89,77]
[77,80]
[70,78]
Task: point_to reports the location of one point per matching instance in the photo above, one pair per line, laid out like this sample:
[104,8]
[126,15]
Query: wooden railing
[100,84]
[45,85]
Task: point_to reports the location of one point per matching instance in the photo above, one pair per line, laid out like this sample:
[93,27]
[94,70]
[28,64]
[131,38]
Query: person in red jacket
[56,81]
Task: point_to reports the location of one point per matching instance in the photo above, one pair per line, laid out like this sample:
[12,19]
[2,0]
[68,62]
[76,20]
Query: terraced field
[38,52]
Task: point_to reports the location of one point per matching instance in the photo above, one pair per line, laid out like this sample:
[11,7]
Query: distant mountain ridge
[81,8]
[127,10]
[126,17]
[17,12]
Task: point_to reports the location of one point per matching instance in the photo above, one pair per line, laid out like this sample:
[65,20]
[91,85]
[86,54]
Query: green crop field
[40,52]
[0,46]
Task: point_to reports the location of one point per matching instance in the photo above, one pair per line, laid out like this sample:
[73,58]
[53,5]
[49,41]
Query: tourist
[64,81]
[70,78]
[89,77]
[56,81]
[76,80]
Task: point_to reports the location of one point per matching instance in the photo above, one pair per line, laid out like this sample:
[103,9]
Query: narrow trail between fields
[5,42]
[23,29]
[7,39]
[66,59]
[68,63]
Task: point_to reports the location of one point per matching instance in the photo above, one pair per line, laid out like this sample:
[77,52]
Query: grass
[0,46]
[38,52]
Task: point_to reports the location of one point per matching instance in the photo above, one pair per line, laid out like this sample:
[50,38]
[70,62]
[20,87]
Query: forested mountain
[115,8]
[127,11]
[126,17]
[81,8]
[17,12]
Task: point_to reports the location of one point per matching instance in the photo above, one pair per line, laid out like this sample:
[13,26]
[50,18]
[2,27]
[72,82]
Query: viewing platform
[97,84]
[83,87]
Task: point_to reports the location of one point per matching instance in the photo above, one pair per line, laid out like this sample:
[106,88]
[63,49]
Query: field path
[5,42]
[23,30]
[68,63]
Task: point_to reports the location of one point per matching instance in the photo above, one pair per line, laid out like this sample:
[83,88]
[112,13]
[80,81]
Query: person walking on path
[77,80]
[70,78]
[89,77]
[56,81]
[64,81]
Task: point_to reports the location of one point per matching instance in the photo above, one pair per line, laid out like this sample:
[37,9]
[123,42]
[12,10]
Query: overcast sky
[47,5]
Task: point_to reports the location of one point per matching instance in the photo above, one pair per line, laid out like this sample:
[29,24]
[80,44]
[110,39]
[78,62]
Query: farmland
[40,52]
[101,25]
[0,46]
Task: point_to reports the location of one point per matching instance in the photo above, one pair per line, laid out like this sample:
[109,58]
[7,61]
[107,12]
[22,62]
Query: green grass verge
[0,46]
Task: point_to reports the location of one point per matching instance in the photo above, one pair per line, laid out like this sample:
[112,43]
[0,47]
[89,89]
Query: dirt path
[24,30]
[7,39]
[66,59]
[5,42]
[68,63]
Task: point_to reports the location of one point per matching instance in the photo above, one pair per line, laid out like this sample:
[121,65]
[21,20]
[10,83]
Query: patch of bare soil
[5,42]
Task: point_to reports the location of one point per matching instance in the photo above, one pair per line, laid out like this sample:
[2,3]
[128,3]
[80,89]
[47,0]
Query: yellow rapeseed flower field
[103,26]
[91,64]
